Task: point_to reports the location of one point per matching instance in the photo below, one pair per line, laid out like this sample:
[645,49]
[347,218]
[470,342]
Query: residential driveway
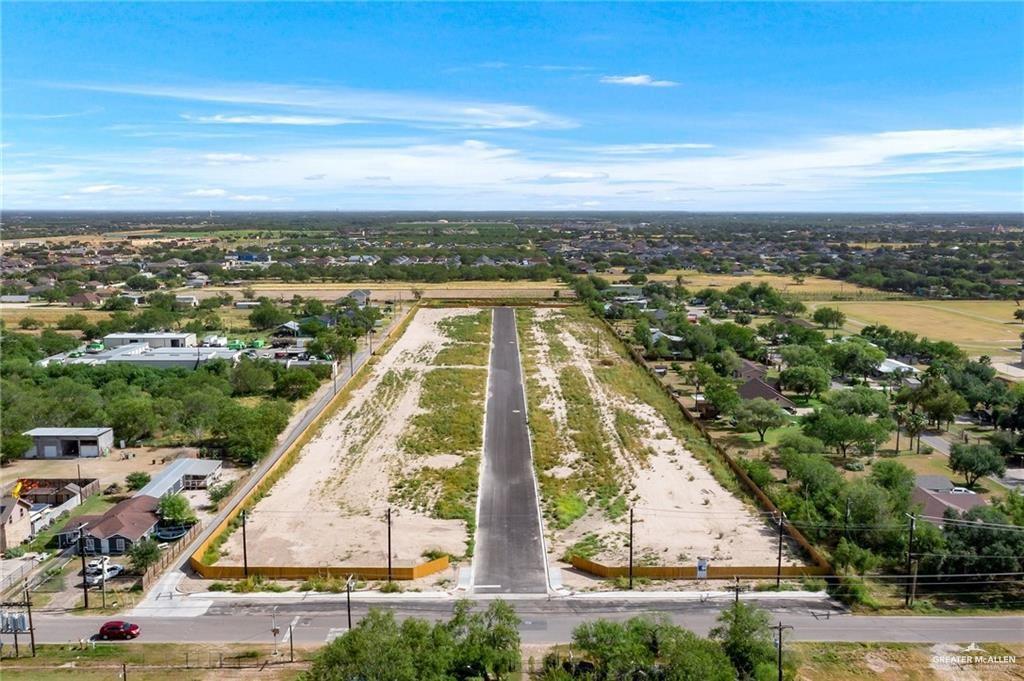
[509,556]
[937,442]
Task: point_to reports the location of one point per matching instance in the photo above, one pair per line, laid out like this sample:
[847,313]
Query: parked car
[110,572]
[960,490]
[119,630]
[94,567]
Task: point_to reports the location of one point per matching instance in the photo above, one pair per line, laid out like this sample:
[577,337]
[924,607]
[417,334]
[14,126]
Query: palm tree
[899,414]
[916,424]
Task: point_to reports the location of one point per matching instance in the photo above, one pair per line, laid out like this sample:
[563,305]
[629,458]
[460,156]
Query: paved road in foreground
[509,556]
[543,621]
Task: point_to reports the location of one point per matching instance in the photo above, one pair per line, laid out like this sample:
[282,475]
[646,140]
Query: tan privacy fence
[402,573]
[690,571]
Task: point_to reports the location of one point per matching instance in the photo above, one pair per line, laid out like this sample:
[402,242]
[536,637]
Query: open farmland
[606,438]
[380,291]
[410,438]
[979,327]
[812,287]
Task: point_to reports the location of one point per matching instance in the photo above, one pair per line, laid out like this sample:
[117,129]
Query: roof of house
[755,388]
[66,432]
[750,369]
[7,506]
[934,483]
[935,503]
[132,519]
[175,471]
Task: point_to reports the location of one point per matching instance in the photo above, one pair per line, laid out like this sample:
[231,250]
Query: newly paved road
[509,556]
[543,621]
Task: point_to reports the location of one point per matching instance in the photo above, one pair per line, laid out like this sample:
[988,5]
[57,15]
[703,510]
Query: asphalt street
[509,556]
[543,621]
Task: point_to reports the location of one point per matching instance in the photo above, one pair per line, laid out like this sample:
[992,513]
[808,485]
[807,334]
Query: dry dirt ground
[684,512]
[108,469]
[329,508]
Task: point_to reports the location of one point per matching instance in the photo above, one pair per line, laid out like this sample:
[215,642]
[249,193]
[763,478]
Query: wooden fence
[763,500]
[168,556]
[401,573]
[690,571]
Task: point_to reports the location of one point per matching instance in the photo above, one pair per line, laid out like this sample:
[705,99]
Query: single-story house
[14,298]
[935,504]
[892,366]
[50,443]
[755,388]
[84,299]
[750,369]
[186,301]
[115,531]
[246,304]
[182,474]
[15,522]
[934,483]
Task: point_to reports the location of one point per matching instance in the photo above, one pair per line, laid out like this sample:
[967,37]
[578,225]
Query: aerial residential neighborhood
[512,341]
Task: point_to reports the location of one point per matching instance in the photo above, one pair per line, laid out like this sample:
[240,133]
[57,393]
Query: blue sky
[285,106]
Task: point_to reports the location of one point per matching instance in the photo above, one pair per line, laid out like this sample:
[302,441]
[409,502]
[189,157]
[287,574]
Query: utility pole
[913,583]
[736,591]
[910,553]
[778,569]
[245,552]
[291,645]
[31,627]
[81,554]
[846,520]
[348,600]
[779,628]
[630,548]
[389,544]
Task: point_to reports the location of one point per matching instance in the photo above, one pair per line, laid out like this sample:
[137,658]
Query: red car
[118,629]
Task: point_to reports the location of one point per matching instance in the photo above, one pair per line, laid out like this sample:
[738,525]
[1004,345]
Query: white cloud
[350,103]
[638,149]
[313,178]
[639,80]
[272,119]
[212,193]
[574,176]
[99,188]
[229,158]
[250,197]
[880,170]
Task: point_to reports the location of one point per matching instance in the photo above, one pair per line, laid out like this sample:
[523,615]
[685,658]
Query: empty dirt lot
[329,508]
[605,439]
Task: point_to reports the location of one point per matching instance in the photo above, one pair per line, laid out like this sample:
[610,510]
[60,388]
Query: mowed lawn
[980,327]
